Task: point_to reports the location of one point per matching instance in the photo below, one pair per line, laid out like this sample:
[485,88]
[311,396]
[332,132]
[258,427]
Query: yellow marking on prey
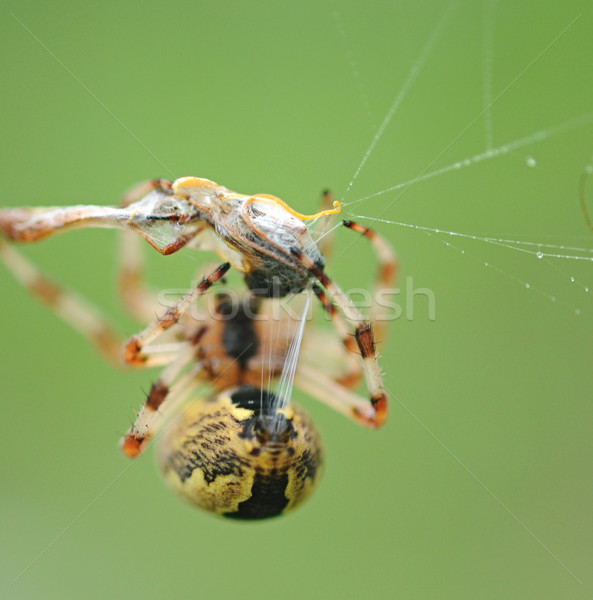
[336,210]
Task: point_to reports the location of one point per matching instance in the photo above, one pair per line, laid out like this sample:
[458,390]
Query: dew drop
[530,161]
[572,279]
[586,289]
[527,286]
[540,254]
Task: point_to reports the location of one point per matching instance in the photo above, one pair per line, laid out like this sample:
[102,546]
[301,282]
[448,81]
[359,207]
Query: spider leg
[136,298]
[363,335]
[379,316]
[386,277]
[317,384]
[81,315]
[341,366]
[134,348]
[346,337]
[161,400]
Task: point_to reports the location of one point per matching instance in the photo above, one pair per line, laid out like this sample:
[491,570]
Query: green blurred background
[480,484]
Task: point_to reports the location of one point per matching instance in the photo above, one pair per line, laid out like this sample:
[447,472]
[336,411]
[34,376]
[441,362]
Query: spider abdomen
[241,456]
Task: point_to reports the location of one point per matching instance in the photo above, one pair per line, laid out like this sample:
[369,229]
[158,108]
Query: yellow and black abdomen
[241,454]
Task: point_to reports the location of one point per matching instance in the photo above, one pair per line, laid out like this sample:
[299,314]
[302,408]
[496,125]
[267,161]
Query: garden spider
[241,451]
[260,236]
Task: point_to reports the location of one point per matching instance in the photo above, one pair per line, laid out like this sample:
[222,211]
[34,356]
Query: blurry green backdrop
[480,484]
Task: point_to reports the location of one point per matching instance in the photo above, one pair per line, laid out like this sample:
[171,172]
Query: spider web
[550,264]
[489,201]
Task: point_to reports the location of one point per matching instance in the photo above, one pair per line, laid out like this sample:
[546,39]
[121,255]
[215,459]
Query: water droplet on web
[530,161]
[540,254]
[572,279]
[527,286]
[586,289]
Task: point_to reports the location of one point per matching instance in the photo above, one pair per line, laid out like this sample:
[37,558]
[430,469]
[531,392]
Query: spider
[260,236]
[243,451]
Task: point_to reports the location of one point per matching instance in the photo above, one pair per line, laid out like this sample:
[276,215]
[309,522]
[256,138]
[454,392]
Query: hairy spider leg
[159,403]
[363,335]
[134,347]
[136,298]
[81,315]
[334,390]
[386,278]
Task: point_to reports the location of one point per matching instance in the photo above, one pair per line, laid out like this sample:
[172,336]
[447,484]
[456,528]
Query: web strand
[533,138]
[416,69]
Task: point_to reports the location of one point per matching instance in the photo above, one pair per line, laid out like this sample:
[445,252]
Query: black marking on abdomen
[207,450]
[212,461]
[268,498]
[261,402]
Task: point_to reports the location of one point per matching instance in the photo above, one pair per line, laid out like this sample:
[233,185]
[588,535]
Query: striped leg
[161,400]
[386,277]
[138,301]
[352,368]
[364,339]
[134,348]
[317,384]
[78,313]
[82,316]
